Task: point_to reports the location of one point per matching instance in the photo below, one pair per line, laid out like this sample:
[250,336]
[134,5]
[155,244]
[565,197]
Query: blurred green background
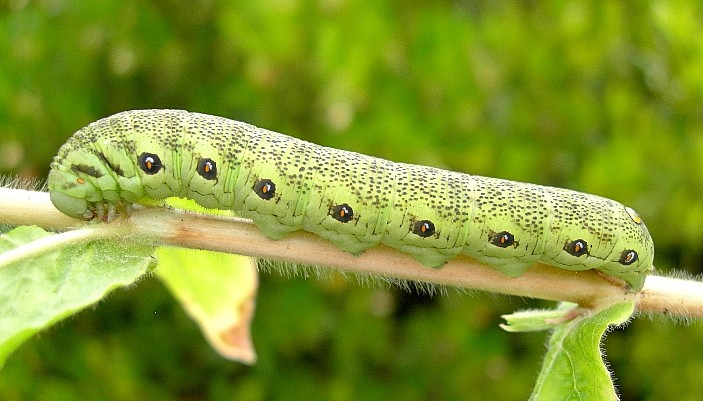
[605,98]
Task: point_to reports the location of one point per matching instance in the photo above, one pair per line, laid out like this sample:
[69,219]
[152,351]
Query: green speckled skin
[355,201]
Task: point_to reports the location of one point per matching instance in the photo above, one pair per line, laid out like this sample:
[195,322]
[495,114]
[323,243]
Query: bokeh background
[601,97]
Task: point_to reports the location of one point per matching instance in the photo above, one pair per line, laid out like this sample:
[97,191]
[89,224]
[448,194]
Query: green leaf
[573,368]
[218,291]
[43,288]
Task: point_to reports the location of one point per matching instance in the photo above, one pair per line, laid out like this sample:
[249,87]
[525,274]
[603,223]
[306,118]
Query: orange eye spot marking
[628,257]
[423,228]
[80,180]
[578,247]
[502,239]
[264,188]
[342,213]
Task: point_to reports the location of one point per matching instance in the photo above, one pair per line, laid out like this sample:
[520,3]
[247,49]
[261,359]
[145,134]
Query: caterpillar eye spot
[80,180]
[628,257]
[207,168]
[265,188]
[577,247]
[423,228]
[502,239]
[150,163]
[343,213]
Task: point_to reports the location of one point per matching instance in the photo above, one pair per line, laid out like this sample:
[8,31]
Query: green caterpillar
[356,201]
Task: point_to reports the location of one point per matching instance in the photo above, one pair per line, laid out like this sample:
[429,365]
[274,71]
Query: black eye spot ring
[423,228]
[343,213]
[150,163]
[207,168]
[628,257]
[502,239]
[265,188]
[577,247]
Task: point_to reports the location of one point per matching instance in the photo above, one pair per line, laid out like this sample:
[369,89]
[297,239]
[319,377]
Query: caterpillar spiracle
[355,201]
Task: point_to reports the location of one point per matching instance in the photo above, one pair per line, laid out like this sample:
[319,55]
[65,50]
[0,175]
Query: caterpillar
[355,201]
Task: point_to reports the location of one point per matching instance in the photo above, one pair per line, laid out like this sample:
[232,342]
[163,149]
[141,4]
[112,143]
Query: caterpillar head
[68,193]
[83,185]
[75,191]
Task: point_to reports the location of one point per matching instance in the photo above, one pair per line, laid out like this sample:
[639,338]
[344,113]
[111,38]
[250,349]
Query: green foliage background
[605,98]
